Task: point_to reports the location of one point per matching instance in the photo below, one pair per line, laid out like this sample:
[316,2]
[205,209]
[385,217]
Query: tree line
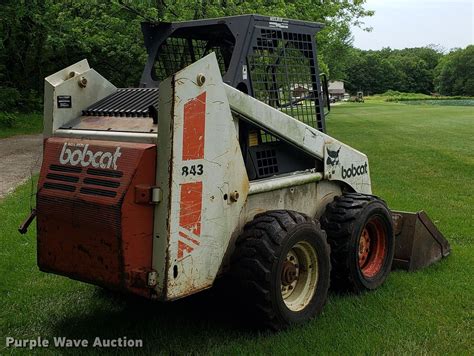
[424,70]
[39,37]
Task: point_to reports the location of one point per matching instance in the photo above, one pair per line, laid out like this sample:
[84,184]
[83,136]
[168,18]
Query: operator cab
[272,59]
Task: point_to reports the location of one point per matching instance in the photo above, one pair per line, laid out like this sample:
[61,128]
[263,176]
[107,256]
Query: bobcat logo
[332,158]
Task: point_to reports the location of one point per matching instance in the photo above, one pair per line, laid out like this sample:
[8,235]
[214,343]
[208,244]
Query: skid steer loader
[217,164]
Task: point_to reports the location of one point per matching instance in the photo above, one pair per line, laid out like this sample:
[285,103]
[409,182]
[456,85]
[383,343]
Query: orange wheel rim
[372,247]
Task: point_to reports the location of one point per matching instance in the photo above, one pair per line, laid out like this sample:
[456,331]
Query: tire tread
[256,251]
[339,221]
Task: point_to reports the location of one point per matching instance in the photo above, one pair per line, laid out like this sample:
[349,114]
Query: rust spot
[142,194]
[83,249]
[92,237]
[113,123]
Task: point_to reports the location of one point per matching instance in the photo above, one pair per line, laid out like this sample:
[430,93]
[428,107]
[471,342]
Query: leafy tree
[417,66]
[38,37]
[406,70]
[23,36]
[455,73]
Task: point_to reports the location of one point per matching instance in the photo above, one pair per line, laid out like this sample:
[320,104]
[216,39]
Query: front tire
[360,232]
[282,265]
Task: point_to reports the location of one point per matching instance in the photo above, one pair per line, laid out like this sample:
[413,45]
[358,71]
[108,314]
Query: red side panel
[137,227]
[190,207]
[89,226]
[194,127]
[191,193]
[190,216]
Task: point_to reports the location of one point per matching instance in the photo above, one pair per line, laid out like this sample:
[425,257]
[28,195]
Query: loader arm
[341,162]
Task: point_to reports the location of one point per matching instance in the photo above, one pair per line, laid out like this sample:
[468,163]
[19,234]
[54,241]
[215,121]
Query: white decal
[278,22]
[86,157]
[277,19]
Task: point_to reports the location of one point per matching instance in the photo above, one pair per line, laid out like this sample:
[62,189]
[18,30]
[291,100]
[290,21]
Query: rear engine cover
[91,225]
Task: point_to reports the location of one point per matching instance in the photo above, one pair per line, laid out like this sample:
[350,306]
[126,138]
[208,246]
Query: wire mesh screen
[283,75]
[176,53]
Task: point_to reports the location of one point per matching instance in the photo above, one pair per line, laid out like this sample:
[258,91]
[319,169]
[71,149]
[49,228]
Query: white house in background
[336,89]
[300,90]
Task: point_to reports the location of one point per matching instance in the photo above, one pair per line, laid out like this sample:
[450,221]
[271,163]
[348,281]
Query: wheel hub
[289,273]
[299,276]
[364,247]
[372,247]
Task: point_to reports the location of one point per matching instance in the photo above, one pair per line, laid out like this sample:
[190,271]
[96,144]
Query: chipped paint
[200,143]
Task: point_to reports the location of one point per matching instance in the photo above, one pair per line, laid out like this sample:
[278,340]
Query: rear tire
[360,231]
[281,263]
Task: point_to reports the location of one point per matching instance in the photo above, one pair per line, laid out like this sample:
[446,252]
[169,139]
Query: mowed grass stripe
[421,157]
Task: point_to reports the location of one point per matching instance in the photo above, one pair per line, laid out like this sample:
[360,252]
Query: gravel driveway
[20,157]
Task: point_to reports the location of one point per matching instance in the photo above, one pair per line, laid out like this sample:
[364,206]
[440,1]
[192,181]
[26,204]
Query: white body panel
[65,83]
[308,198]
[200,207]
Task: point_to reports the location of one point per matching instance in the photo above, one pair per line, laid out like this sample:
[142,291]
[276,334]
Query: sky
[416,23]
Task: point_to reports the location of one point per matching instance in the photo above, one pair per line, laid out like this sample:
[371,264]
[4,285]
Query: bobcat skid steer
[218,164]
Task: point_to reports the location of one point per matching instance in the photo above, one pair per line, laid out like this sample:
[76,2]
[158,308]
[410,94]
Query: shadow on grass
[189,325]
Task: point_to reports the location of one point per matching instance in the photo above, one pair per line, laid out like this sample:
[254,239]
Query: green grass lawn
[421,157]
[12,124]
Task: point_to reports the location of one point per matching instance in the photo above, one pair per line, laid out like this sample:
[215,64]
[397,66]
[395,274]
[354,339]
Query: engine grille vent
[130,102]
[102,182]
[69,180]
[62,177]
[59,186]
[104,173]
[101,186]
[67,174]
[69,169]
[100,192]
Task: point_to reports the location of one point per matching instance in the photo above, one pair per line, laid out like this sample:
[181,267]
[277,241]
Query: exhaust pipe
[418,243]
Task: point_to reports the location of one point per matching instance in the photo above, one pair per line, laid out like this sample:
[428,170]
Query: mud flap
[418,243]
